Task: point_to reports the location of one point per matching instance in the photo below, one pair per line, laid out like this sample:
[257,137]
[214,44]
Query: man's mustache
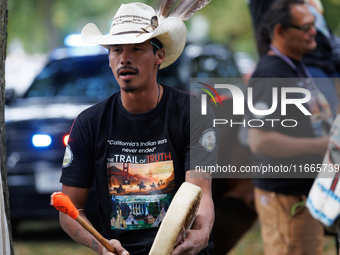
[129,68]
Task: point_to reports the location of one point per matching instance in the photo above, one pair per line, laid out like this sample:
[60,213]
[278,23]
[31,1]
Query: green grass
[50,248]
[251,243]
[46,238]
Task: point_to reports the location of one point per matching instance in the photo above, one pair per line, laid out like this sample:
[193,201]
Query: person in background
[323,62]
[287,33]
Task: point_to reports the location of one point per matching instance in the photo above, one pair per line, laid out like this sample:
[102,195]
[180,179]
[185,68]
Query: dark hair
[157,45]
[279,12]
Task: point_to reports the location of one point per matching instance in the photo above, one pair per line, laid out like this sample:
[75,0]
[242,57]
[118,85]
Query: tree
[41,25]
[6,246]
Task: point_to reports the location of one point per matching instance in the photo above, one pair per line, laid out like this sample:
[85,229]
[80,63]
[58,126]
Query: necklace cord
[159,92]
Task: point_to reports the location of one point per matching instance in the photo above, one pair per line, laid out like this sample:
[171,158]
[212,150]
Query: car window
[87,77]
[211,61]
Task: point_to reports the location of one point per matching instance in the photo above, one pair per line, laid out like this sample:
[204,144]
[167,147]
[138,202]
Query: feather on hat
[138,22]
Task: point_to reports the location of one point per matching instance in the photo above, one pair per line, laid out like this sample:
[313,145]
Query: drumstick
[64,204]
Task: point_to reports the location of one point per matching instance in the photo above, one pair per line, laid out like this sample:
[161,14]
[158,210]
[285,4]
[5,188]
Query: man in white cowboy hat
[145,133]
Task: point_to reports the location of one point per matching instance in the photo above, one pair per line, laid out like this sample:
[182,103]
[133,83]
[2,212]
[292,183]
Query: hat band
[128,32]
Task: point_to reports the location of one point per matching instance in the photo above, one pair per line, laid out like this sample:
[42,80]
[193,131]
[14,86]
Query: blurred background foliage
[41,25]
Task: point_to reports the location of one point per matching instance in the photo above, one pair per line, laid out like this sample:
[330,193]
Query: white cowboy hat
[136,23]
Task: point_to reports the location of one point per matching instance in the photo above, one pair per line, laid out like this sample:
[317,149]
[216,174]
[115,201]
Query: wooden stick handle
[96,234]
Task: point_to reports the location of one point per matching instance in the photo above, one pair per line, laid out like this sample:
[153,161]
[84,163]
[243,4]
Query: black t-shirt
[138,161]
[263,81]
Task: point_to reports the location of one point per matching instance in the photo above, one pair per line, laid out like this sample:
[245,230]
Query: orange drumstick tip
[63,203]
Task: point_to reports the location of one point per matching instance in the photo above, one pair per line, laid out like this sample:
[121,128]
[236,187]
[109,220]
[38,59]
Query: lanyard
[290,62]
[310,83]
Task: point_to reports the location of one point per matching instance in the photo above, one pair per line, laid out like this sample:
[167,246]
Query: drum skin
[180,216]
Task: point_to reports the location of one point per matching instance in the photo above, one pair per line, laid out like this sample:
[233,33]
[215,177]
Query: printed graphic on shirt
[141,187]
[139,212]
[208,139]
[331,160]
[68,156]
[140,179]
[321,118]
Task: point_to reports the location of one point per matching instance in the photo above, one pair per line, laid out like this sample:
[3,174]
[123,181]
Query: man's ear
[279,30]
[160,54]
